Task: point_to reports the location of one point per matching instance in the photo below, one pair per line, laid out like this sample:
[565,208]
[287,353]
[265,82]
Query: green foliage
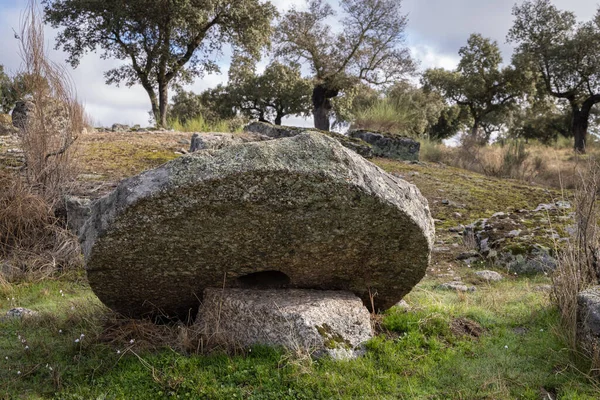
[369,49]
[163,41]
[542,121]
[280,91]
[479,85]
[404,109]
[562,54]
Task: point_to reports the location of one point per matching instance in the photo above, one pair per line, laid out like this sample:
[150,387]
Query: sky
[436,30]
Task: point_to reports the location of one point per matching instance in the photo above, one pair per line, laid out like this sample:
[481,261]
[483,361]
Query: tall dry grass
[578,260]
[57,118]
[33,241]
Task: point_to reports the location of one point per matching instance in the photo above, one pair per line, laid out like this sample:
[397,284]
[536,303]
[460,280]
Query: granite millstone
[301,212]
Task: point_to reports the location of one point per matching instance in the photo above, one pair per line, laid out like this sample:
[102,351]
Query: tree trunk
[322,106]
[163,103]
[580,123]
[278,119]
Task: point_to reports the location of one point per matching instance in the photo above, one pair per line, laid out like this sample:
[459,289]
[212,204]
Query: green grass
[199,124]
[419,356]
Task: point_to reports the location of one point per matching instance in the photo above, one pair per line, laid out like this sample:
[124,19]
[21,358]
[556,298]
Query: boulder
[120,128]
[588,319]
[21,312]
[489,276]
[78,211]
[212,141]
[321,322]
[301,212]
[389,146]
[22,114]
[278,132]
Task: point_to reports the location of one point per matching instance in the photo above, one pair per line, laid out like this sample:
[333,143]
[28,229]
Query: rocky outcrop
[120,128]
[301,212]
[278,132]
[389,146]
[522,241]
[320,322]
[588,320]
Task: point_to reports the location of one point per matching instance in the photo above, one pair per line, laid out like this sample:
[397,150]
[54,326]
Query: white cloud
[436,31]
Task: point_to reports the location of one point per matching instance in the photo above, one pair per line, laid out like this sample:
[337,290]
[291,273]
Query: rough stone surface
[521,241]
[319,214]
[21,312]
[457,286]
[588,318]
[324,322]
[389,146]
[490,276]
[278,132]
[78,211]
[22,114]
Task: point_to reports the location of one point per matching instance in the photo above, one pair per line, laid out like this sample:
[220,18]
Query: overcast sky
[436,30]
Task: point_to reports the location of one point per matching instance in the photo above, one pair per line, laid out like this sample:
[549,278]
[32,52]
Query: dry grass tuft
[32,241]
[578,267]
[56,119]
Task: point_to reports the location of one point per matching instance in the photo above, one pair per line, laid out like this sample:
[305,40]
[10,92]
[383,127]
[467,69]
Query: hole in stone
[264,280]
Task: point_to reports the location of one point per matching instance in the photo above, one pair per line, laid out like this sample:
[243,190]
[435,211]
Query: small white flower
[6,358]
[60,291]
[18,372]
[76,340]
[72,308]
[542,330]
[60,331]
[23,341]
[506,347]
[118,351]
[131,341]
[26,347]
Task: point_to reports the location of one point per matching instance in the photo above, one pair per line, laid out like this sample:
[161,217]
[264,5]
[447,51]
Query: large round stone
[301,212]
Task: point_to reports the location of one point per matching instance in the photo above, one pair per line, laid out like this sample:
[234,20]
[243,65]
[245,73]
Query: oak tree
[163,41]
[370,47]
[565,56]
[479,85]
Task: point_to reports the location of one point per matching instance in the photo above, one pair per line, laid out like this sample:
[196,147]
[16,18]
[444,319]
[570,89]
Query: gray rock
[301,212]
[22,114]
[588,318]
[21,312]
[320,322]
[389,146]
[120,128]
[212,141]
[490,276]
[278,132]
[78,211]
[457,286]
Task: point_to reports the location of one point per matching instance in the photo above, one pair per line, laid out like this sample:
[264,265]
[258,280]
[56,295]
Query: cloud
[436,31]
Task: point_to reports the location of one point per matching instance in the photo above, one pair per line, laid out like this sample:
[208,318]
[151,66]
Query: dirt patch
[466,327]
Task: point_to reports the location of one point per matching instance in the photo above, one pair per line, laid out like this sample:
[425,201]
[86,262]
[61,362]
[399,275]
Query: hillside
[500,340]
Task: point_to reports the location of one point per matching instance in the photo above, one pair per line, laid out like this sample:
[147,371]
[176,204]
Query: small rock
[441,249]
[490,276]
[456,229]
[21,312]
[119,128]
[457,286]
[403,305]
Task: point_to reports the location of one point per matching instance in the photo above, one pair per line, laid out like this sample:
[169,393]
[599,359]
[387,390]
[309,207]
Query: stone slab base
[321,322]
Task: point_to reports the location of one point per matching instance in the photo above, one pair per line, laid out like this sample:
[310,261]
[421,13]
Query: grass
[419,355]
[199,124]
[503,341]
